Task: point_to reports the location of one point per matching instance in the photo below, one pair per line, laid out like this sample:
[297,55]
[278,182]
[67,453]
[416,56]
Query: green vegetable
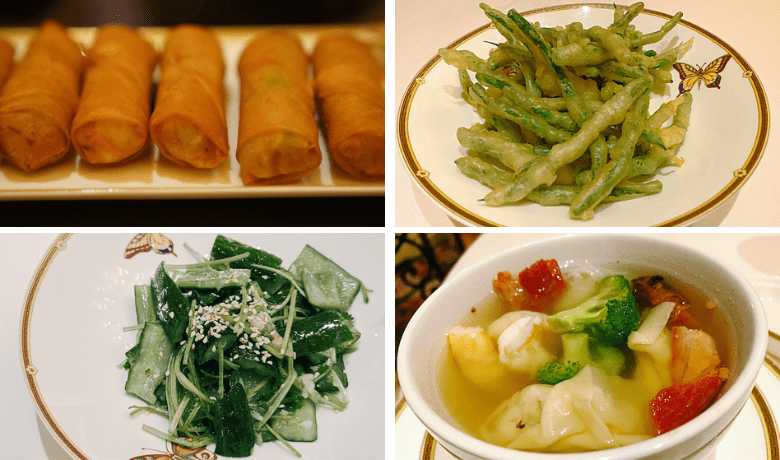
[326,284]
[170,304]
[242,351]
[324,330]
[297,425]
[553,373]
[233,424]
[609,316]
[148,361]
[580,347]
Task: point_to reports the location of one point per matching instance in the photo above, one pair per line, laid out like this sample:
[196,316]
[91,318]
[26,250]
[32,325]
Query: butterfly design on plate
[177,452]
[709,74]
[145,242]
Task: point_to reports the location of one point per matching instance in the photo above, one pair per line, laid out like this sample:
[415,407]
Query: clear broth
[470,406]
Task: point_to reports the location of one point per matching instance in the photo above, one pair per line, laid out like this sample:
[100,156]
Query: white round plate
[72,345]
[754,434]
[726,138]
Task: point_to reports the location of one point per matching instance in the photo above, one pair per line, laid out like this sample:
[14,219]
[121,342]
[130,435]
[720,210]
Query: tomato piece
[509,289]
[544,283]
[678,404]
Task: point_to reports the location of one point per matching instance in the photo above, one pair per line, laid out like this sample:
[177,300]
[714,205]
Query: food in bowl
[584,357]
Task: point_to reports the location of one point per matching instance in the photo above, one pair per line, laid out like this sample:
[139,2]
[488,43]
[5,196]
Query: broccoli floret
[580,349]
[609,316]
[553,373]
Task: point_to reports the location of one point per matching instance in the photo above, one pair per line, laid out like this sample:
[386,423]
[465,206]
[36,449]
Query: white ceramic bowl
[424,341]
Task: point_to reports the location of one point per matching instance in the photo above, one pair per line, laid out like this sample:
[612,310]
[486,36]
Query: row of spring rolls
[99,101]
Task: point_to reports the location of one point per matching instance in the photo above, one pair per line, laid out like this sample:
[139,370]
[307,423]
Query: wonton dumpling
[524,340]
[653,362]
[591,411]
[477,357]
[523,408]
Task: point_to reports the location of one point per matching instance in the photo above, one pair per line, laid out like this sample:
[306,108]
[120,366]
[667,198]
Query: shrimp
[651,291]
[694,356]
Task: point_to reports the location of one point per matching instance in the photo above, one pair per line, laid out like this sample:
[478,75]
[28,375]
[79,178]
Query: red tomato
[544,284]
[678,404]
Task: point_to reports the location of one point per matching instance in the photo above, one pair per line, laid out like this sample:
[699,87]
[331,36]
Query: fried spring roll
[348,83]
[112,120]
[188,124]
[39,99]
[278,139]
[6,61]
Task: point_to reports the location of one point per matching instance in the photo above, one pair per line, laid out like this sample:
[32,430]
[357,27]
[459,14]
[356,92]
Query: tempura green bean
[566,111]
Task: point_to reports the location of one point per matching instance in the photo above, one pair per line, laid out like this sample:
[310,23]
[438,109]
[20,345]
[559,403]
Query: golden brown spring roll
[39,99]
[6,61]
[278,139]
[112,120]
[188,124]
[348,83]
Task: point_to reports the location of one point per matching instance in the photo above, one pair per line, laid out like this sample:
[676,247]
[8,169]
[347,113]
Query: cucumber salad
[236,351]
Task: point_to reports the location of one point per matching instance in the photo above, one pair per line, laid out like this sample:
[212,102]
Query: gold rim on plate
[422,176]
[30,370]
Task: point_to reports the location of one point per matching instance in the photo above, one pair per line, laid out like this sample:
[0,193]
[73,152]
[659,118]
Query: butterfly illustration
[145,242]
[710,74]
[177,452]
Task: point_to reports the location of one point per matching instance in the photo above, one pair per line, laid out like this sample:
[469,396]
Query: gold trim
[31,371]
[768,422]
[407,153]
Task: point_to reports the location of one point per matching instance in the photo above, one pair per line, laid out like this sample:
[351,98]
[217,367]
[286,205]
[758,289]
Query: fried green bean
[513,113]
[530,82]
[543,171]
[574,102]
[656,157]
[514,91]
[621,24]
[555,195]
[657,35]
[565,111]
[512,154]
[617,168]
[463,59]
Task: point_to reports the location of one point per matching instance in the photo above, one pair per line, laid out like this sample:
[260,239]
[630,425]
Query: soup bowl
[423,345]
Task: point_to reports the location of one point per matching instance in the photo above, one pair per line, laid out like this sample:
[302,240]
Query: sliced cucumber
[326,284]
[233,424]
[149,361]
[299,425]
[144,305]
[213,279]
[319,332]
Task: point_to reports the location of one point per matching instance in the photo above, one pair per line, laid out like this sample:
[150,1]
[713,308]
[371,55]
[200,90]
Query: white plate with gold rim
[754,434]
[72,345]
[150,176]
[726,139]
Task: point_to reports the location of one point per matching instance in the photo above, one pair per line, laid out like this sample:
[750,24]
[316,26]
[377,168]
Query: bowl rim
[736,396]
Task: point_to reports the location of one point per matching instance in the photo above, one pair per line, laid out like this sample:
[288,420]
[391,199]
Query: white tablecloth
[752,28]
